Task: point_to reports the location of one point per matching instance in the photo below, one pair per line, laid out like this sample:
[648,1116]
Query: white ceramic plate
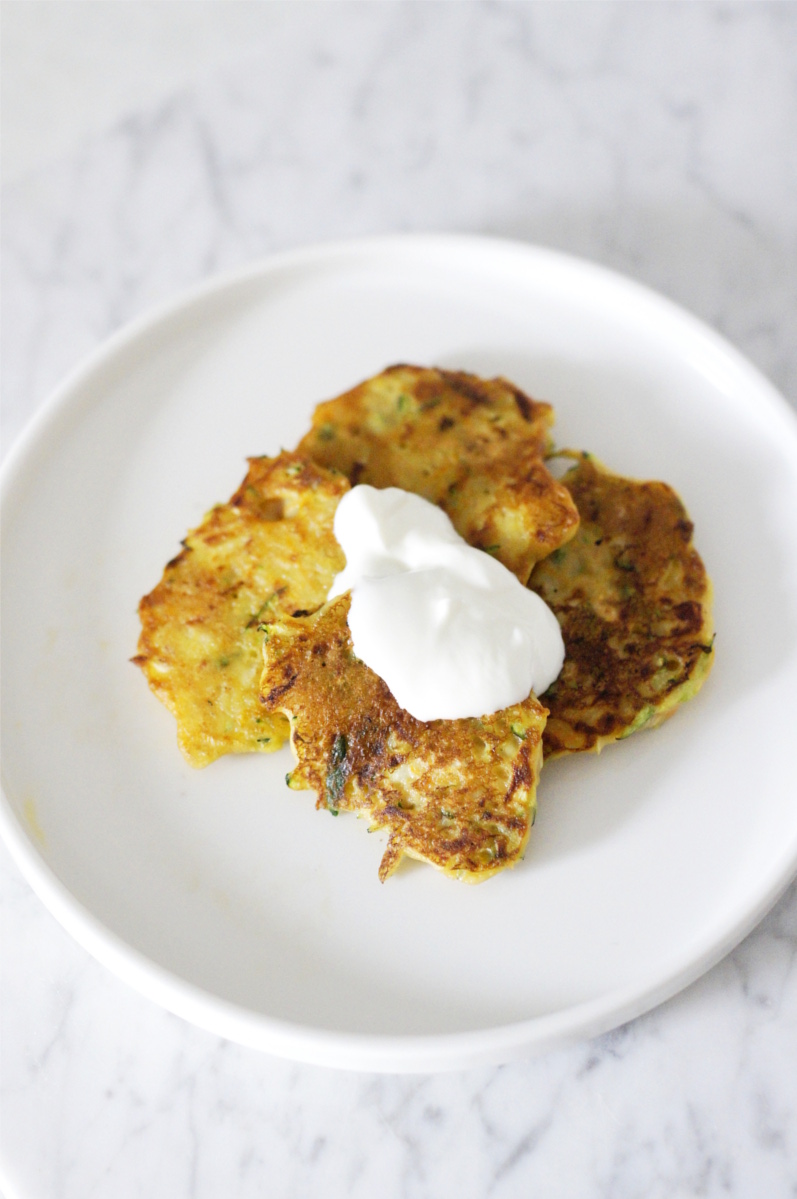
[230,899]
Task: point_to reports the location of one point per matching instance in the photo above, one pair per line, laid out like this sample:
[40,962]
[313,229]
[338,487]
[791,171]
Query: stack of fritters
[612,557]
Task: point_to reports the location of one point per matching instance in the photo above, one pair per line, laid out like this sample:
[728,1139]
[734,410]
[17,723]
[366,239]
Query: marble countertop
[658,139]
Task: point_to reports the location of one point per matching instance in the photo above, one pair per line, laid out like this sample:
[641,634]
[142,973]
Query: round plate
[230,899]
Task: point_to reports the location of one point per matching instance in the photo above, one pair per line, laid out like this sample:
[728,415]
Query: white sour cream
[450,630]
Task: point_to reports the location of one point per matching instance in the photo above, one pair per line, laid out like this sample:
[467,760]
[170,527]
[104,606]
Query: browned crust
[634,603]
[474,446]
[268,552]
[459,794]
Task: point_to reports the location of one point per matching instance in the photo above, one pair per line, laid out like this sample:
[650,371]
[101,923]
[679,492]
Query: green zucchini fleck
[336,773]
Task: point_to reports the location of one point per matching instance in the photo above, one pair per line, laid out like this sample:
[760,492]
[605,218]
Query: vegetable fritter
[634,603]
[269,552]
[474,446]
[459,794]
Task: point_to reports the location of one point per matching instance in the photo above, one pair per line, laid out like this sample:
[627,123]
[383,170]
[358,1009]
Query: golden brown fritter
[269,552]
[634,602]
[474,446]
[459,794]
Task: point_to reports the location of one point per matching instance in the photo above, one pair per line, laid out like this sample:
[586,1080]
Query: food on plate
[333,601]
[474,446]
[459,794]
[634,602]
[269,552]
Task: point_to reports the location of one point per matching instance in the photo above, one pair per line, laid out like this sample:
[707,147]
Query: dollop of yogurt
[450,630]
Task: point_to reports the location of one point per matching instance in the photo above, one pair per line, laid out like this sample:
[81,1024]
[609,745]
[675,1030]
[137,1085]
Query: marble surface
[659,139]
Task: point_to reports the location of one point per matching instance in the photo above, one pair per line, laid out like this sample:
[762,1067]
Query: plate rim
[398,1053]
[378,1053]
